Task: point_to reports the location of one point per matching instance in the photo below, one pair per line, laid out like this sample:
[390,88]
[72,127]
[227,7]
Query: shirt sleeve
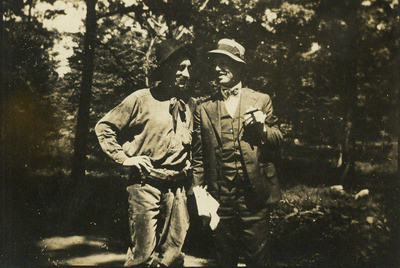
[109,127]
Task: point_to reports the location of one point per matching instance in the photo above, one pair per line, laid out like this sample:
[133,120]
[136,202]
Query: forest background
[331,68]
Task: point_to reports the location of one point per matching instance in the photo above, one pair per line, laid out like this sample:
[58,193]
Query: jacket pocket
[271,183]
[269,170]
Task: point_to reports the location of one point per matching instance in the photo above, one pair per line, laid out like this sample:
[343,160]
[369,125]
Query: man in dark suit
[236,141]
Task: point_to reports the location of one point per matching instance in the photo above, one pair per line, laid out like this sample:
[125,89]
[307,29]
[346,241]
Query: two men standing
[235,143]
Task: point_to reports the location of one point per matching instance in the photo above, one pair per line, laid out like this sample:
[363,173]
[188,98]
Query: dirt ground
[94,251]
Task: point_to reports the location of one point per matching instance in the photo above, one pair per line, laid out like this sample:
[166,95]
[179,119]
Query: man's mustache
[182,80]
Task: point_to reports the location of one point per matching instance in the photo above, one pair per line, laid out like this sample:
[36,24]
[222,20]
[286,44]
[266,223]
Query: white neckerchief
[232,101]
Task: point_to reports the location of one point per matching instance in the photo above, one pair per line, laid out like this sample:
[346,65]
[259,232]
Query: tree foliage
[28,78]
[298,52]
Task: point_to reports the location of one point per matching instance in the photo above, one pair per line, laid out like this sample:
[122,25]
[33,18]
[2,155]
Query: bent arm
[273,135]
[109,127]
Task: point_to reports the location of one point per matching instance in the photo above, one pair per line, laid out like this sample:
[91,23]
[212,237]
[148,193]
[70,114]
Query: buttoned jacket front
[259,157]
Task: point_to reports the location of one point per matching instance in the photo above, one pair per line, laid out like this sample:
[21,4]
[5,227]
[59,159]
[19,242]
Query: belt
[164,178]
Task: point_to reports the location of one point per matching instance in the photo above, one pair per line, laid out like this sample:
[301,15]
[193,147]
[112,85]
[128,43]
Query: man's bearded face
[182,74]
[178,73]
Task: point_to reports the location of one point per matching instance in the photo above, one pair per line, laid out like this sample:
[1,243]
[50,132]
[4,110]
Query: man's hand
[140,162]
[254,121]
[253,116]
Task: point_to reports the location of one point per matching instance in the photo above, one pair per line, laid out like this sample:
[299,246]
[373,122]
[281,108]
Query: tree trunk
[82,125]
[348,147]
[3,89]
[349,96]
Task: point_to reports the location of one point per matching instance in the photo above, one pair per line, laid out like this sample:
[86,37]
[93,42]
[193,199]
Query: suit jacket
[259,157]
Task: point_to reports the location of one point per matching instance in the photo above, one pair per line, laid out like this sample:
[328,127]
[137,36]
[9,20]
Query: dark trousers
[159,222]
[243,229]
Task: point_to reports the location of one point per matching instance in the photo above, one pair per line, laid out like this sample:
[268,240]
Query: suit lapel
[247,100]
[213,112]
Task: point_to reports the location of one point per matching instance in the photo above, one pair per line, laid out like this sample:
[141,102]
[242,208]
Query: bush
[323,226]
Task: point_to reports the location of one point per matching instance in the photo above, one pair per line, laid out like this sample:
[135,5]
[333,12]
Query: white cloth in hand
[207,206]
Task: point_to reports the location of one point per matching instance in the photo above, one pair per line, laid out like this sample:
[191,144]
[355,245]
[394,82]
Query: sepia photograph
[200,133]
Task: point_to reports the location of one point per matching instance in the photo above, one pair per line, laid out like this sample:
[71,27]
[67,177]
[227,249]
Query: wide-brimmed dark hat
[230,48]
[169,50]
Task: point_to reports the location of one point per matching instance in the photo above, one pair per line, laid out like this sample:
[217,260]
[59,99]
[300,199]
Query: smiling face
[227,70]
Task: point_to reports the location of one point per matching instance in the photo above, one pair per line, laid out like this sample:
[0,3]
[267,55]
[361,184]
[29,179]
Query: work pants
[159,222]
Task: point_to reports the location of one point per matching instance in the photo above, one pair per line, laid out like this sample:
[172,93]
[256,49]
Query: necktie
[226,92]
[177,107]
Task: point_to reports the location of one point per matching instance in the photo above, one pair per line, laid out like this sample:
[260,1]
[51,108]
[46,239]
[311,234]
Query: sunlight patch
[96,259]
[57,243]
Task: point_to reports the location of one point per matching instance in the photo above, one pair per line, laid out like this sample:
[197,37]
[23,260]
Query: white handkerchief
[207,206]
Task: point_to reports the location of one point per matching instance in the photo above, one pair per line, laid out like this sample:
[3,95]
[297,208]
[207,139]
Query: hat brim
[234,57]
[185,49]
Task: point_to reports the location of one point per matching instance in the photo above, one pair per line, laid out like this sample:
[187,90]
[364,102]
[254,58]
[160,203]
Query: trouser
[243,228]
[159,222]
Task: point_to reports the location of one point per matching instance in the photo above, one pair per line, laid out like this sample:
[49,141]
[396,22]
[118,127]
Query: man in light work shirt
[150,131]
[236,142]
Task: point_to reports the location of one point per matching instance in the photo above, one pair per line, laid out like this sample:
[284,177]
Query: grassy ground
[312,225]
